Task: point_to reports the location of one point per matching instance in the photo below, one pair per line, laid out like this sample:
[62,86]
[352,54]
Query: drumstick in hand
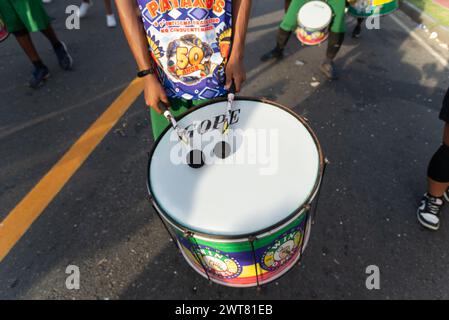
[195,157]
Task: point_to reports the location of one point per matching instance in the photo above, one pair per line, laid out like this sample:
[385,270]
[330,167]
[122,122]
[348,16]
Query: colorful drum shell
[233,262]
[318,33]
[311,37]
[360,11]
[3,32]
[245,260]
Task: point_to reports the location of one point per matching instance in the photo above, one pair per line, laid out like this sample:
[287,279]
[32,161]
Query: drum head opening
[195,159]
[222,149]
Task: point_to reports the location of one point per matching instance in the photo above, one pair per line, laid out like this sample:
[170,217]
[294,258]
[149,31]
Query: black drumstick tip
[195,159]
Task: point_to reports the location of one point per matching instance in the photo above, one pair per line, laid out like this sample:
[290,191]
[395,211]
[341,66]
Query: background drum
[314,19]
[366,8]
[3,32]
[238,223]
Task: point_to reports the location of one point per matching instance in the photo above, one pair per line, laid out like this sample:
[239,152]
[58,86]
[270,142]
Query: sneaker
[64,58]
[277,53]
[40,74]
[84,7]
[110,21]
[46,1]
[429,212]
[329,69]
[356,31]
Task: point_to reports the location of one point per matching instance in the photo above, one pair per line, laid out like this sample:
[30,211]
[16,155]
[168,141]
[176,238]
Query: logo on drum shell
[219,263]
[282,251]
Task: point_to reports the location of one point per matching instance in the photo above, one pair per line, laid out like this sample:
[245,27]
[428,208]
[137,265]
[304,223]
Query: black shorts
[444,114]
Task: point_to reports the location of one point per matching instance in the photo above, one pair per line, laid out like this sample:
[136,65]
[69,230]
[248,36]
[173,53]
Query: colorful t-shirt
[190,40]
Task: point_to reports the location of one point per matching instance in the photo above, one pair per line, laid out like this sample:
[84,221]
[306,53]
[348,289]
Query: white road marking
[415,36]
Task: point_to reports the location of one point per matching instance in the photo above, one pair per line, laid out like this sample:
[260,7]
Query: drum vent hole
[195,159]
[222,149]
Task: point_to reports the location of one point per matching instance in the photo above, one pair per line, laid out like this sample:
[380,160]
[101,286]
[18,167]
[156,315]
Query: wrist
[145,72]
[236,55]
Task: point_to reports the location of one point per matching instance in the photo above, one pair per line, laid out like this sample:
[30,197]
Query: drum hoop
[326,25]
[296,213]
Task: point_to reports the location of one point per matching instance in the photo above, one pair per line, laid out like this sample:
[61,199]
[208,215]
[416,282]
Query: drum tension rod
[251,240]
[190,235]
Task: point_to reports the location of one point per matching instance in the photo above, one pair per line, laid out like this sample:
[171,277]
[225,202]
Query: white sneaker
[84,7]
[110,21]
[46,1]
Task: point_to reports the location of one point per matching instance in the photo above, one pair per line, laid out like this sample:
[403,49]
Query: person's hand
[235,71]
[154,92]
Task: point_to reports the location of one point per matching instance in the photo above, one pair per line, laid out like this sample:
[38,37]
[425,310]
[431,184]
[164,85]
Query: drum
[244,220]
[3,32]
[366,8]
[314,19]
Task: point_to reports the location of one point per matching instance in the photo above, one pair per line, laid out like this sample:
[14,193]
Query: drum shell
[198,247]
[306,35]
[239,258]
[380,10]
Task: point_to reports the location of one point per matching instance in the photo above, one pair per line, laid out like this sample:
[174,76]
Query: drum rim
[324,26]
[295,213]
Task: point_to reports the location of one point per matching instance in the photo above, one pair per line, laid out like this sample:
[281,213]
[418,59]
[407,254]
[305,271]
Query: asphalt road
[377,124]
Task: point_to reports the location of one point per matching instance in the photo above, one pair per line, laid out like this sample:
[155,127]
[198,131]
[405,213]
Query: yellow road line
[29,208]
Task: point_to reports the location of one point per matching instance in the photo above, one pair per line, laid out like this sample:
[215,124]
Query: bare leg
[27,45]
[51,36]
[287,4]
[108,6]
[435,188]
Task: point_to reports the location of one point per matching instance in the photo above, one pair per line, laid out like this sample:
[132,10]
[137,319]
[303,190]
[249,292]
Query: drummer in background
[335,40]
[23,17]
[192,65]
[437,178]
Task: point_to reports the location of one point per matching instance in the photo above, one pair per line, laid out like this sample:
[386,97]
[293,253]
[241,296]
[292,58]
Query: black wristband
[144,73]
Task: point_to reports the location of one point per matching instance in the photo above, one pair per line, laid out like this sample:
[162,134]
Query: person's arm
[135,34]
[235,71]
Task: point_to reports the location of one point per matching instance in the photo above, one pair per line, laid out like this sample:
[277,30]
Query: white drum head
[273,171]
[315,15]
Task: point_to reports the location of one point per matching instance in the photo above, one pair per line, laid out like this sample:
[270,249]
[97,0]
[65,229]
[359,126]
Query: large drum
[3,32]
[244,220]
[314,19]
[366,8]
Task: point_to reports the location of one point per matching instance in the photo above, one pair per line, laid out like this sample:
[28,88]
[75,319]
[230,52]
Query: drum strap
[251,241]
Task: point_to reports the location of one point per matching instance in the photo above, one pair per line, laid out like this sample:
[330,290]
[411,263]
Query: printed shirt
[190,40]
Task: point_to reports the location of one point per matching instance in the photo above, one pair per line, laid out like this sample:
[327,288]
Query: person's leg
[50,34]
[287,4]
[335,40]
[25,42]
[438,183]
[287,26]
[108,6]
[110,17]
[358,28]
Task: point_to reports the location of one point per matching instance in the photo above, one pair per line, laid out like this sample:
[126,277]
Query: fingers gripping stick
[169,116]
[231,96]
